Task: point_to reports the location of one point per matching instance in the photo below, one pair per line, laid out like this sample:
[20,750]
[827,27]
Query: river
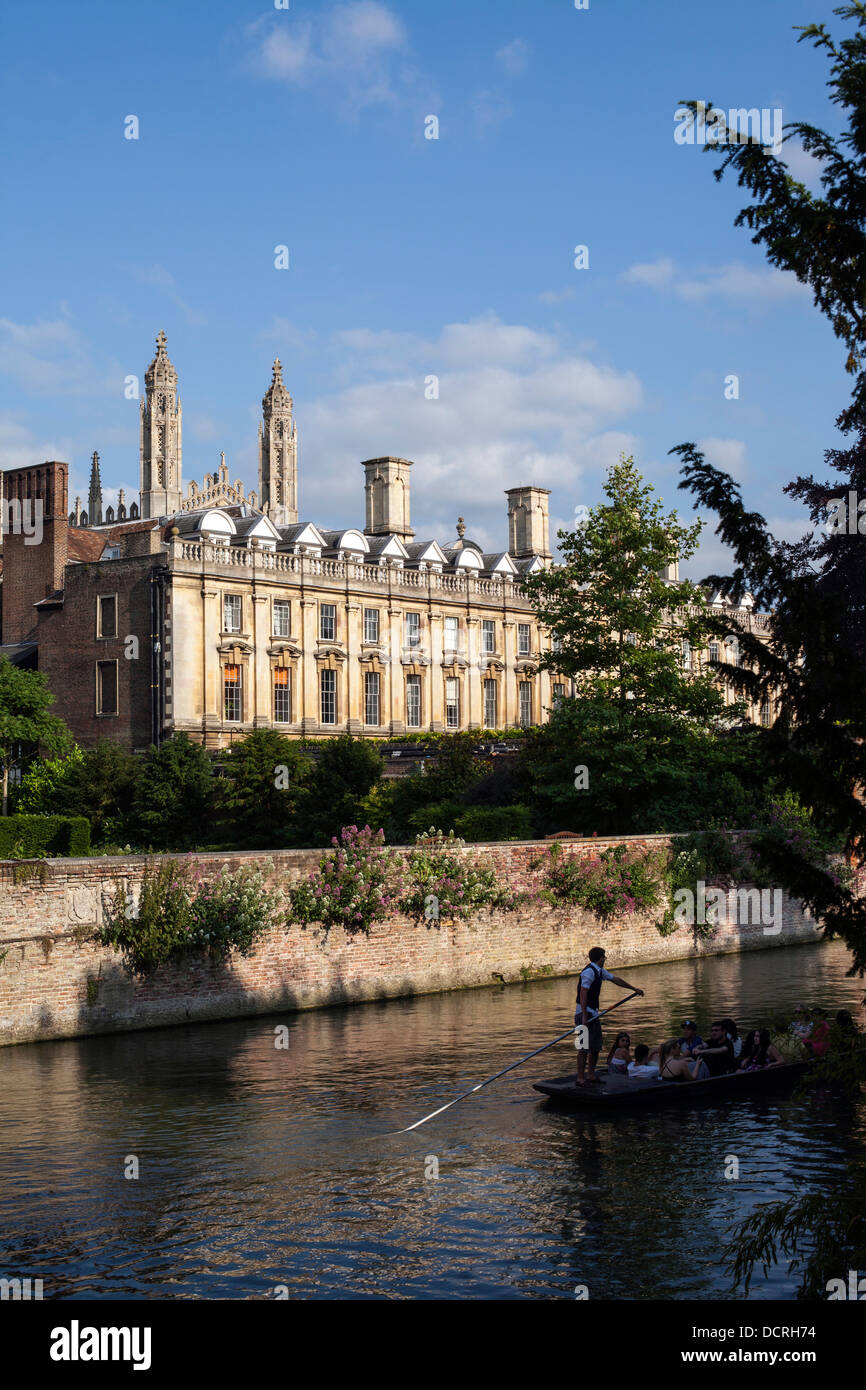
[268,1171]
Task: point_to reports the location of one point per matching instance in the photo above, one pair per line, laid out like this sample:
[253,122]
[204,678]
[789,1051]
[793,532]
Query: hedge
[44,837]
[475,824]
[479,823]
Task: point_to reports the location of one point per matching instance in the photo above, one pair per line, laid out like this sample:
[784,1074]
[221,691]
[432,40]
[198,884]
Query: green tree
[266,774]
[816,656]
[25,720]
[343,775]
[453,770]
[100,785]
[629,639]
[39,790]
[175,805]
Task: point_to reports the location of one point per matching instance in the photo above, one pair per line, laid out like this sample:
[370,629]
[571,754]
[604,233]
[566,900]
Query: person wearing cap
[586,1012]
[691,1039]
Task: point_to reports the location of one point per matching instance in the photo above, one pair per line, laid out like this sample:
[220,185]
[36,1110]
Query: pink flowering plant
[358,884]
[444,883]
[616,883]
[180,915]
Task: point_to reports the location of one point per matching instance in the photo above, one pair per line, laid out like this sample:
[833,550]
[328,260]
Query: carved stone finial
[461,527]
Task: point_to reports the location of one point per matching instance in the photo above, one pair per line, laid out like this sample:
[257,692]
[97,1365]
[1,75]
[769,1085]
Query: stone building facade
[217,612]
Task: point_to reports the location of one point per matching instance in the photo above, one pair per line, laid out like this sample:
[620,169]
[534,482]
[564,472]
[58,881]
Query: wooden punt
[612,1093]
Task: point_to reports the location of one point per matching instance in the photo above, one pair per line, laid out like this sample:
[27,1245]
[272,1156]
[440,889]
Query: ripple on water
[261,1167]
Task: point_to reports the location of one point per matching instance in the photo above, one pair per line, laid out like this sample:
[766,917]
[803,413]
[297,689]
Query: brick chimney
[35,532]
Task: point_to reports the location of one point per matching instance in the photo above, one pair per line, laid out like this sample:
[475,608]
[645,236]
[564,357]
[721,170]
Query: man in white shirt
[640,1068]
[587,1027]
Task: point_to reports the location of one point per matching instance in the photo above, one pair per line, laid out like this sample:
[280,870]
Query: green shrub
[44,837]
[160,932]
[178,917]
[443,882]
[232,913]
[443,814]
[480,823]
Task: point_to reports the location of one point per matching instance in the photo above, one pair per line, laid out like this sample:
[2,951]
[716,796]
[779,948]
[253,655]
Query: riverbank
[56,982]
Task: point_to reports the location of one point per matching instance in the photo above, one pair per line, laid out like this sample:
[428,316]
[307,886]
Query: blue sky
[409,257]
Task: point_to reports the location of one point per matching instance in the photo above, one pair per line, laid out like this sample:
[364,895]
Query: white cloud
[654,273]
[732,281]
[514,57]
[288,334]
[727,454]
[737,281]
[20,449]
[356,46]
[514,405]
[50,358]
[556,296]
[806,168]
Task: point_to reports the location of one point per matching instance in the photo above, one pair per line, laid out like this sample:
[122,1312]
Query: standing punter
[586,1012]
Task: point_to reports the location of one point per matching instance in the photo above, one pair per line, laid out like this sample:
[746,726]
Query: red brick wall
[53,984]
[31,572]
[69,650]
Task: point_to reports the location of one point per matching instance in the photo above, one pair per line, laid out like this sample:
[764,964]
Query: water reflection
[261,1166]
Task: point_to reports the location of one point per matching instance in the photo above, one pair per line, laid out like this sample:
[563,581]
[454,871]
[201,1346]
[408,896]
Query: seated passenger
[759,1052]
[787,1042]
[801,1027]
[818,1041]
[736,1041]
[620,1054]
[691,1038]
[674,1066]
[718,1053]
[642,1067]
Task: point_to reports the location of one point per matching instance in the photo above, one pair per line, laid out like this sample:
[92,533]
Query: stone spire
[94,496]
[278,453]
[160,437]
